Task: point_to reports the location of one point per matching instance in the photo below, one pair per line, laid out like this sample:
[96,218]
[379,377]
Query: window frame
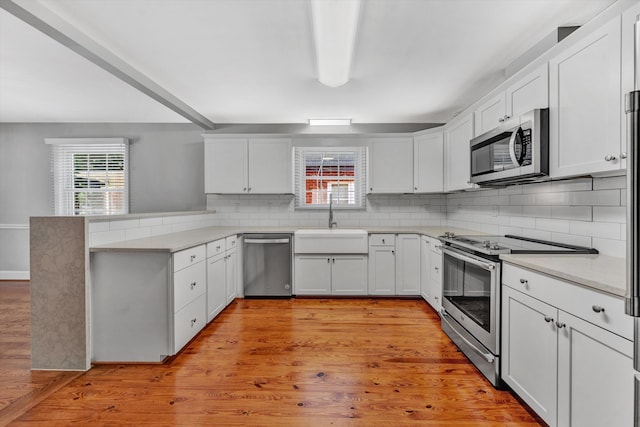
[360,166]
[63,168]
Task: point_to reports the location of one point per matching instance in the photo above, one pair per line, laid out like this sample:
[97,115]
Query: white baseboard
[14,275]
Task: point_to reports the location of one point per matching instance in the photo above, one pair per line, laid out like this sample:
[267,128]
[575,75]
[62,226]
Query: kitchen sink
[331,241]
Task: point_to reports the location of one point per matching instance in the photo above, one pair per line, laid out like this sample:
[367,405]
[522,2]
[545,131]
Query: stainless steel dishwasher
[267,265]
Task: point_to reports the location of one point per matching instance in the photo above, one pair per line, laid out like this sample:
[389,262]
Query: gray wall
[166,174]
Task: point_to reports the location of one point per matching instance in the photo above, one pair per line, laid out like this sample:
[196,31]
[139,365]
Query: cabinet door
[408,264]
[270,166]
[312,275]
[585,105]
[530,351]
[231,274]
[629,19]
[382,272]
[458,154]
[425,267]
[529,92]
[435,285]
[595,382]
[391,165]
[490,114]
[349,275]
[225,166]
[428,163]
[216,286]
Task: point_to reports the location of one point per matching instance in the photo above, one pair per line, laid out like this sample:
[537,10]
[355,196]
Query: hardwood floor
[20,388]
[302,362]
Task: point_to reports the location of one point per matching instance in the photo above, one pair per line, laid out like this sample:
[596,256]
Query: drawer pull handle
[560,325]
[548,319]
[597,309]
[524,281]
[193,321]
[193,285]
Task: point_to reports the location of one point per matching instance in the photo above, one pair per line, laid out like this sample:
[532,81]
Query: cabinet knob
[415,188]
[193,321]
[597,309]
[393,252]
[524,281]
[328,259]
[334,260]
[623,155]
[249,189]
[560,325]
[609,158]
[382,240]
[437,268]
[548,319]
[244,189]
[193,257]
[370,188]
[193,285]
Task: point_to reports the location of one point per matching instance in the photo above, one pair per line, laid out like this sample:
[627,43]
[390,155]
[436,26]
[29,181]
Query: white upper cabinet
[457,153]
[390,165]
[247,166]
[490,114]
[225,166]
[428,163]
[585,105]
[629,18]
[528,93]
[521,95]
[270,166]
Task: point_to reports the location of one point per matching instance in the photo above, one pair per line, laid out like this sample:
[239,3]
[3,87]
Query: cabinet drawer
[188,284]
[382,240]
[601,309]
[189,321]
[231,242]
[188,257]
[216,247]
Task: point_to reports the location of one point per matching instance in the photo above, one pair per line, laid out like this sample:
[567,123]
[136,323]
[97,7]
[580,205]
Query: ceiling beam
[44,20]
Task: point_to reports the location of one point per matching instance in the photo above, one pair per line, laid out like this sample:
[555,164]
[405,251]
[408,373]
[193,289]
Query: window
[335,171]
[90,175]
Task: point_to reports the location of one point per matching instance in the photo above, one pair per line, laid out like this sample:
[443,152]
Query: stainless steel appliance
[516,151]
[632,305]
[471,292]
[267,265]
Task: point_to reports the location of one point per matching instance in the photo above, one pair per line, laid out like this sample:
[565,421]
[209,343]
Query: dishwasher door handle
[266,241]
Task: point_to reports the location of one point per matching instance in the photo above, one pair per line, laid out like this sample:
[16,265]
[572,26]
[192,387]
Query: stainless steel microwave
[515,152]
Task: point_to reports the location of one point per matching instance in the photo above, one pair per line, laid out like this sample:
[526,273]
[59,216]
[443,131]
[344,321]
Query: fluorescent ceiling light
[335,23]
[329,122]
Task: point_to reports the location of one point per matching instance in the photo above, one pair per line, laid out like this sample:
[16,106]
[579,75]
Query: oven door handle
[487,356]
[464,257]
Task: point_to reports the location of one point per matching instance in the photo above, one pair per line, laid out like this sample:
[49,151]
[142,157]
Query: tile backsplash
[584,211]
[279,210]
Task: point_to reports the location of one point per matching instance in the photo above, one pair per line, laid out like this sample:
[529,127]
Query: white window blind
[90,175]
[339,171]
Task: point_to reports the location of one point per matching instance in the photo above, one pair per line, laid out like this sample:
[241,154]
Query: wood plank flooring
[299,362]
[20,388]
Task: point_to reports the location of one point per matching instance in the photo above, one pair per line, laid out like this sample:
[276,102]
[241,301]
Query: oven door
[471,294]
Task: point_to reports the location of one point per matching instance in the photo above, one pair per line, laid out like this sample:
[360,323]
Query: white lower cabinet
[435,284]
[408,264]
[530,351]
[425,267]
[394,264]
[216,279]
[570,371]
[330,274]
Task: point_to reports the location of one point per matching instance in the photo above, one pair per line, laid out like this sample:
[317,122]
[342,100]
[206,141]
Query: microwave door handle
[459,255]
[512,147]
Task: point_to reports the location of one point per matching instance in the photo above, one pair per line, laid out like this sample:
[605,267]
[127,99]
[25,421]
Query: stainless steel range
[471,291]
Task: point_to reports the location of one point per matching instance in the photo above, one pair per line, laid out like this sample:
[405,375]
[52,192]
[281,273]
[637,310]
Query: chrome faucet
[332,223]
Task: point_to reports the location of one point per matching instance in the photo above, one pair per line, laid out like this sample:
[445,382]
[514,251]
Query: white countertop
[186,239]
[604,273]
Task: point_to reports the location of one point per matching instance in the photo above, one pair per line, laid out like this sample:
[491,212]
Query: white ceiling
[252,61]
